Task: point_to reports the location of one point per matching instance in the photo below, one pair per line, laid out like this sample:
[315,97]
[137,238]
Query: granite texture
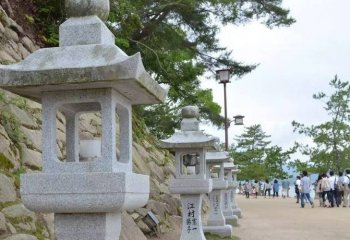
[109,102]
[223,231]
[93,66]
[78,8]
[191,218]
[87,226]
[84,192]
[217,157]
[87,59]
[80,27]
[190,186]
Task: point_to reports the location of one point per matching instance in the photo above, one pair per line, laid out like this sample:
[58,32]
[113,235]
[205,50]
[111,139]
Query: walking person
[297,188]
[318,189]
[267,188]
[247,188]
[346,184]
[262,188]
[326,187]
[333,192]
[276,188]
[340,184]
[256,188]
[285,187]
[305,186]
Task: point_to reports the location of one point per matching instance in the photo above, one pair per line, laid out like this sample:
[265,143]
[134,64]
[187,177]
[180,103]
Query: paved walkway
[283,219]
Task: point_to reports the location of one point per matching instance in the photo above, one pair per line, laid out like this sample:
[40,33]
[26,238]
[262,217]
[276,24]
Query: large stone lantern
[86,73]
[227,195]
[216,221]
[190,146]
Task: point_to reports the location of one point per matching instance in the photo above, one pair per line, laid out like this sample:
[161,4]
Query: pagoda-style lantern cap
[86,59]
[217,157]
[229,165]
[190,136]
[213,158]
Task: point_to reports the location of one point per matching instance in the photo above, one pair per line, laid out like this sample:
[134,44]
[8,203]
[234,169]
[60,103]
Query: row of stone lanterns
[196,153]
[88,191]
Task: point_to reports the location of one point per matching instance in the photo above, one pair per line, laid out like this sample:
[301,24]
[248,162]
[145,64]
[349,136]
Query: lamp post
[223,76]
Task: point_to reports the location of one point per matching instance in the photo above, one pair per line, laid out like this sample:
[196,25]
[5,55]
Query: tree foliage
[178,41]
[331,139]
[256,158]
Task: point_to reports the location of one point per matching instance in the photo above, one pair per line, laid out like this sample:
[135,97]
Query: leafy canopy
[178,41]
[256,158]
[331,139]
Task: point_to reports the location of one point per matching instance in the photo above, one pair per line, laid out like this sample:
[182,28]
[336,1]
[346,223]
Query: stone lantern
[216,221]
[190,146]
[235,209]
[86,73]
[227,196]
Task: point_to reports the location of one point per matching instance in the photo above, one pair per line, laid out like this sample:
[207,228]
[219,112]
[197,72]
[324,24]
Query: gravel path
[283,219]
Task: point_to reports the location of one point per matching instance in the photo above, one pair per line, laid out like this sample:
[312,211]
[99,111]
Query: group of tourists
[331,190]
[264,188]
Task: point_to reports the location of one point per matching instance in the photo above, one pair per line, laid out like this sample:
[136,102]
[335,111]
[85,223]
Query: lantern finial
[81,8]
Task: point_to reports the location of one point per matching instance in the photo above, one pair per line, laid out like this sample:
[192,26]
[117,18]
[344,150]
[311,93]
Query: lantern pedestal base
[232,220]
[222,231]
[237,212]
[191,217]
[87,226]
[216,216]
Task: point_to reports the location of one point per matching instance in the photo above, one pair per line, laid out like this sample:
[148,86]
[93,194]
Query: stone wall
[14,43]
[20,151]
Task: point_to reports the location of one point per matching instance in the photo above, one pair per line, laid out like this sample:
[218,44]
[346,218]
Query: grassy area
[210,236]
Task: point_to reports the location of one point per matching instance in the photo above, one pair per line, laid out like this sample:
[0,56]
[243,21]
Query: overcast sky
[295,62]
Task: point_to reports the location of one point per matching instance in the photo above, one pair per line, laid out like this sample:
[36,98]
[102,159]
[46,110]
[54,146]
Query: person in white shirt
[346,188]
[333,192]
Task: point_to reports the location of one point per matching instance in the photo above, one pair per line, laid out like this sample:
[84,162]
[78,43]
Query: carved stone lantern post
[216,221]
[236,210]
[230,217]
[86,73]
[190,146]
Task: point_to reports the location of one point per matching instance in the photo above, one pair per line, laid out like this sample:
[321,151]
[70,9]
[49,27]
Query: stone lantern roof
[190,136]
[230,165]
[218,157]
[87,58]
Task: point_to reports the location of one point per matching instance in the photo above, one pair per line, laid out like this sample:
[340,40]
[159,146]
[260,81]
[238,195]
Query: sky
[295,62]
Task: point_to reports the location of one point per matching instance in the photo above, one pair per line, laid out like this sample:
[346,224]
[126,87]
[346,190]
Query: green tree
[256,158]
[331,139]
[178,41]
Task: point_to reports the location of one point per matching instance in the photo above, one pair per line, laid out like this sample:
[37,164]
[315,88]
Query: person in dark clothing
[297,188]
[276,188]
[267,188]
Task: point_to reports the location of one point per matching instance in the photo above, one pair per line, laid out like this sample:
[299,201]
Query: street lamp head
[223,75]
[238,119]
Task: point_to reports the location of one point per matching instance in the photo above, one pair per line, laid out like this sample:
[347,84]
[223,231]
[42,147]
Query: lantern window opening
[190,164]
[78,132]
